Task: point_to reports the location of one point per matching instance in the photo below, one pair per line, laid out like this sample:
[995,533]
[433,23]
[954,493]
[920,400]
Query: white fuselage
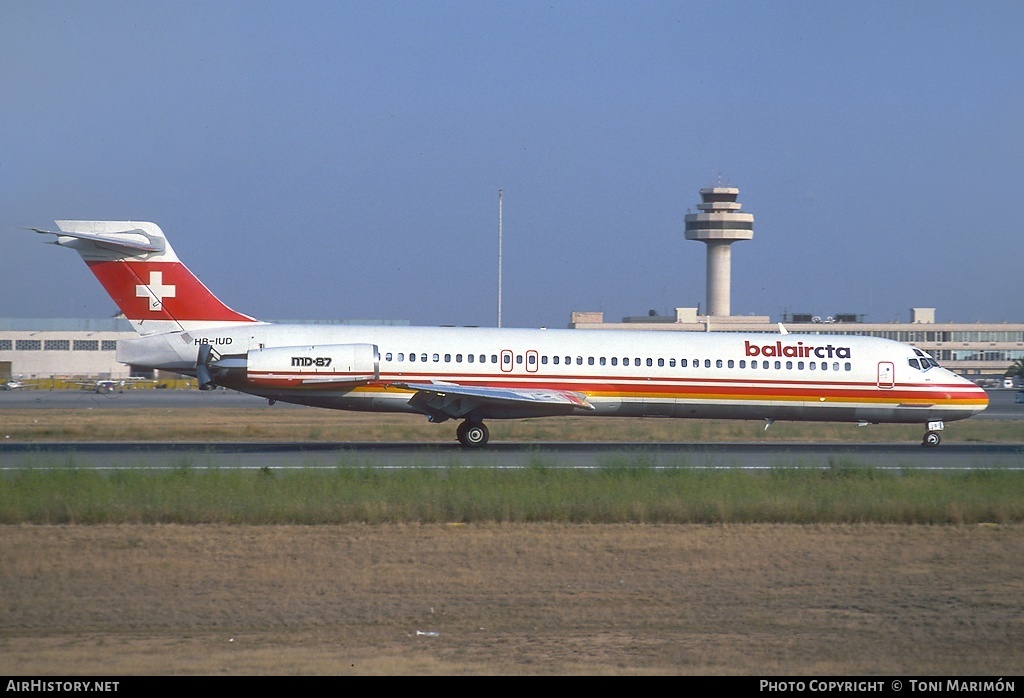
[718,375]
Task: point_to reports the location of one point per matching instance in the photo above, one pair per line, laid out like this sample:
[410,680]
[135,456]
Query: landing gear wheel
[931,439]
[473,434]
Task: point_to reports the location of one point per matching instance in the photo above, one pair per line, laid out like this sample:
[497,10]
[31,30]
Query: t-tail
[138,268]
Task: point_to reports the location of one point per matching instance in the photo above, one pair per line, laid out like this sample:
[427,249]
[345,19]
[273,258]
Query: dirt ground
[512,599]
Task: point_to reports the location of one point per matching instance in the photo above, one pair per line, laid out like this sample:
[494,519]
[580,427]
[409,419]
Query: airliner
[477,374]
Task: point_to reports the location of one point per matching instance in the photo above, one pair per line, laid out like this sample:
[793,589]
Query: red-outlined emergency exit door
[886,374]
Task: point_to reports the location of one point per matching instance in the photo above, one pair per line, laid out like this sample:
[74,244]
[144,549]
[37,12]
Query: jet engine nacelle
[334,363]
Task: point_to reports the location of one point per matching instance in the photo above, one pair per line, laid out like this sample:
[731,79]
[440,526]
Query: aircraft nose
[980,398]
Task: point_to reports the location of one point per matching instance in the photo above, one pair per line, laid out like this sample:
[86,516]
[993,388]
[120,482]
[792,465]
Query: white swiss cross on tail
[155,291]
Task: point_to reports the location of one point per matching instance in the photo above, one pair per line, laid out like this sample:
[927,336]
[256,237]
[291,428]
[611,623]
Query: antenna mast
[499,257]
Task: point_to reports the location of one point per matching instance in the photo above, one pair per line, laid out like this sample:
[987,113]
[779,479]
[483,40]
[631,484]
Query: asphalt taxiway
[284,456]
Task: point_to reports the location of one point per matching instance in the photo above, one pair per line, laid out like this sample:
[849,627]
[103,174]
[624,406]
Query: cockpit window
[923,362]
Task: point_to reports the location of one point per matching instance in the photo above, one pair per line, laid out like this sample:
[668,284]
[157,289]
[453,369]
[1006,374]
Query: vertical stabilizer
[138,268]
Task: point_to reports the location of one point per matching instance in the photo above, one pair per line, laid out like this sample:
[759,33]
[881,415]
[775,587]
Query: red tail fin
[161,291]
[138,268]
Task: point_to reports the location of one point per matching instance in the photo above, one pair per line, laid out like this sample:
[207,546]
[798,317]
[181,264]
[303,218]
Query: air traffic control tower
[718,225]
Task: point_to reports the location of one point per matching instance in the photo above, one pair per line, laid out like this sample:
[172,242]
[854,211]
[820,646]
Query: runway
[292,455]
[287,456]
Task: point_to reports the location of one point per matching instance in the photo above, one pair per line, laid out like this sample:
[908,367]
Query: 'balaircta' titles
[798,350]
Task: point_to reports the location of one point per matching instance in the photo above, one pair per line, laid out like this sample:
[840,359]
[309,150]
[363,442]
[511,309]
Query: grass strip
[615,492]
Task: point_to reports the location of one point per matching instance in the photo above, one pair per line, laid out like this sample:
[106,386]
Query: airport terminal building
[86,348]
[62,348]
[77,348]
[975,350]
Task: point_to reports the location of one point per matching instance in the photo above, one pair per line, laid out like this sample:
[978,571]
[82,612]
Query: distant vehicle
[100,386]
[105,385]
[1008,383]
[478,374]
[108,386]
[13,385]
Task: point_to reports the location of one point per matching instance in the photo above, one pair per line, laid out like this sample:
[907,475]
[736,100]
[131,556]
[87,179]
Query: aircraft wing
[443,401]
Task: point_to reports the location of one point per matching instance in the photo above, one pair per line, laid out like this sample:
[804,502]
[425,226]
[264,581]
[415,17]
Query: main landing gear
[473,434]
[932,437]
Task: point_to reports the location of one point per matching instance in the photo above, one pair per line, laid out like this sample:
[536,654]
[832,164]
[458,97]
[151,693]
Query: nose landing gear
[932,437]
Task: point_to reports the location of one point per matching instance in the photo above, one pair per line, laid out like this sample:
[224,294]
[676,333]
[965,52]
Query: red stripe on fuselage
[677,388]
[682,387]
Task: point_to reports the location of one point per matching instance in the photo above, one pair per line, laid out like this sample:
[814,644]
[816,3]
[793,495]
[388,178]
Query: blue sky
[342,159]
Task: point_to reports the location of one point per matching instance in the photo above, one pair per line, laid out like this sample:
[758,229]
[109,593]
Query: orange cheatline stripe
[877,396]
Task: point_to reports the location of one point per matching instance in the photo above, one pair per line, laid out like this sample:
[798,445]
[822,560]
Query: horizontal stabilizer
[132,241]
